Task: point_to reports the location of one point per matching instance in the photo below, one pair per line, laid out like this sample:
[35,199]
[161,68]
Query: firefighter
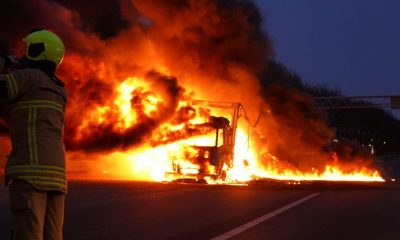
[35,171]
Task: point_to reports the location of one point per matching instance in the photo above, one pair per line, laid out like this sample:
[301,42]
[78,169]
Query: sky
[352,45]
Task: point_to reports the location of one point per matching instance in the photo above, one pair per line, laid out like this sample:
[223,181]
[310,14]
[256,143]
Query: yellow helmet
[44,45]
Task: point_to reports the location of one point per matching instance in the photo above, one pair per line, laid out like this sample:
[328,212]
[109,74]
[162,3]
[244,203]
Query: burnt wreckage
[214,158]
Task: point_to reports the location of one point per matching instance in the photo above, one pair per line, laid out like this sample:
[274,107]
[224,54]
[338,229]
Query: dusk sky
[353,45]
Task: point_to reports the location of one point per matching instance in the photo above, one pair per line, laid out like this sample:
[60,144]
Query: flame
[172,160]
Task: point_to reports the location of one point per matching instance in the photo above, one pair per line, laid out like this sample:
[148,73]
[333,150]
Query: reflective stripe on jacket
[37,104]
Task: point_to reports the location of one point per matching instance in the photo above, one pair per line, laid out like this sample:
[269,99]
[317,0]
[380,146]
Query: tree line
[373,128]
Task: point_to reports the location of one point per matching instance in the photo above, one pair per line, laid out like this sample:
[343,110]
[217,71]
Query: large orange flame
[156,162]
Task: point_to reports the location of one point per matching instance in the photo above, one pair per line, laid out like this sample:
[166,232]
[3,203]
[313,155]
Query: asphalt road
[136,210]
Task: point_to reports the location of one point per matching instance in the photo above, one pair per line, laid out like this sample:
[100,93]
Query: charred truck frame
[220,153]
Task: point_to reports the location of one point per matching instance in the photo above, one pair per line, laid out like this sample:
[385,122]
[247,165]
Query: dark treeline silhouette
[370,127]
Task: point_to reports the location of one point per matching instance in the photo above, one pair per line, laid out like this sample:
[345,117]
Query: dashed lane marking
[261,219]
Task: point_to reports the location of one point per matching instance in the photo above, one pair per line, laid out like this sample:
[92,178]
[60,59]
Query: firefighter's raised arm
[3,86]
[7,64]
[2,63]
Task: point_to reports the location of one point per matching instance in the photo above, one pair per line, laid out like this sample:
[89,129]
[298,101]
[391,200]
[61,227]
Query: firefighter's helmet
[44,45]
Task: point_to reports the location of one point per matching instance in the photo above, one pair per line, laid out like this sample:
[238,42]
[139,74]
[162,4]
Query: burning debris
[132,79]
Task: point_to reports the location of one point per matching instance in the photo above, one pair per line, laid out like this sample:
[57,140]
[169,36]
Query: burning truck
[213,159]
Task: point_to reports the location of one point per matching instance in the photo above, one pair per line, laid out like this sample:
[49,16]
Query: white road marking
[261,219]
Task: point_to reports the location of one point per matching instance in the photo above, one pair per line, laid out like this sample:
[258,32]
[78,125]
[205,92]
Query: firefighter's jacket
[37,103]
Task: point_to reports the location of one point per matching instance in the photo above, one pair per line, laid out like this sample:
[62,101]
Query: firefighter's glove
[2,63]
[9,63]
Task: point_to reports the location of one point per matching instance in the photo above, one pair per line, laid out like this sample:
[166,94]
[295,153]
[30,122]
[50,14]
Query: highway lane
[137,210]
[358,214]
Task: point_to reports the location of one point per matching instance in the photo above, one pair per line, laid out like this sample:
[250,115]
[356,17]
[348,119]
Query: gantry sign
[342,102]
